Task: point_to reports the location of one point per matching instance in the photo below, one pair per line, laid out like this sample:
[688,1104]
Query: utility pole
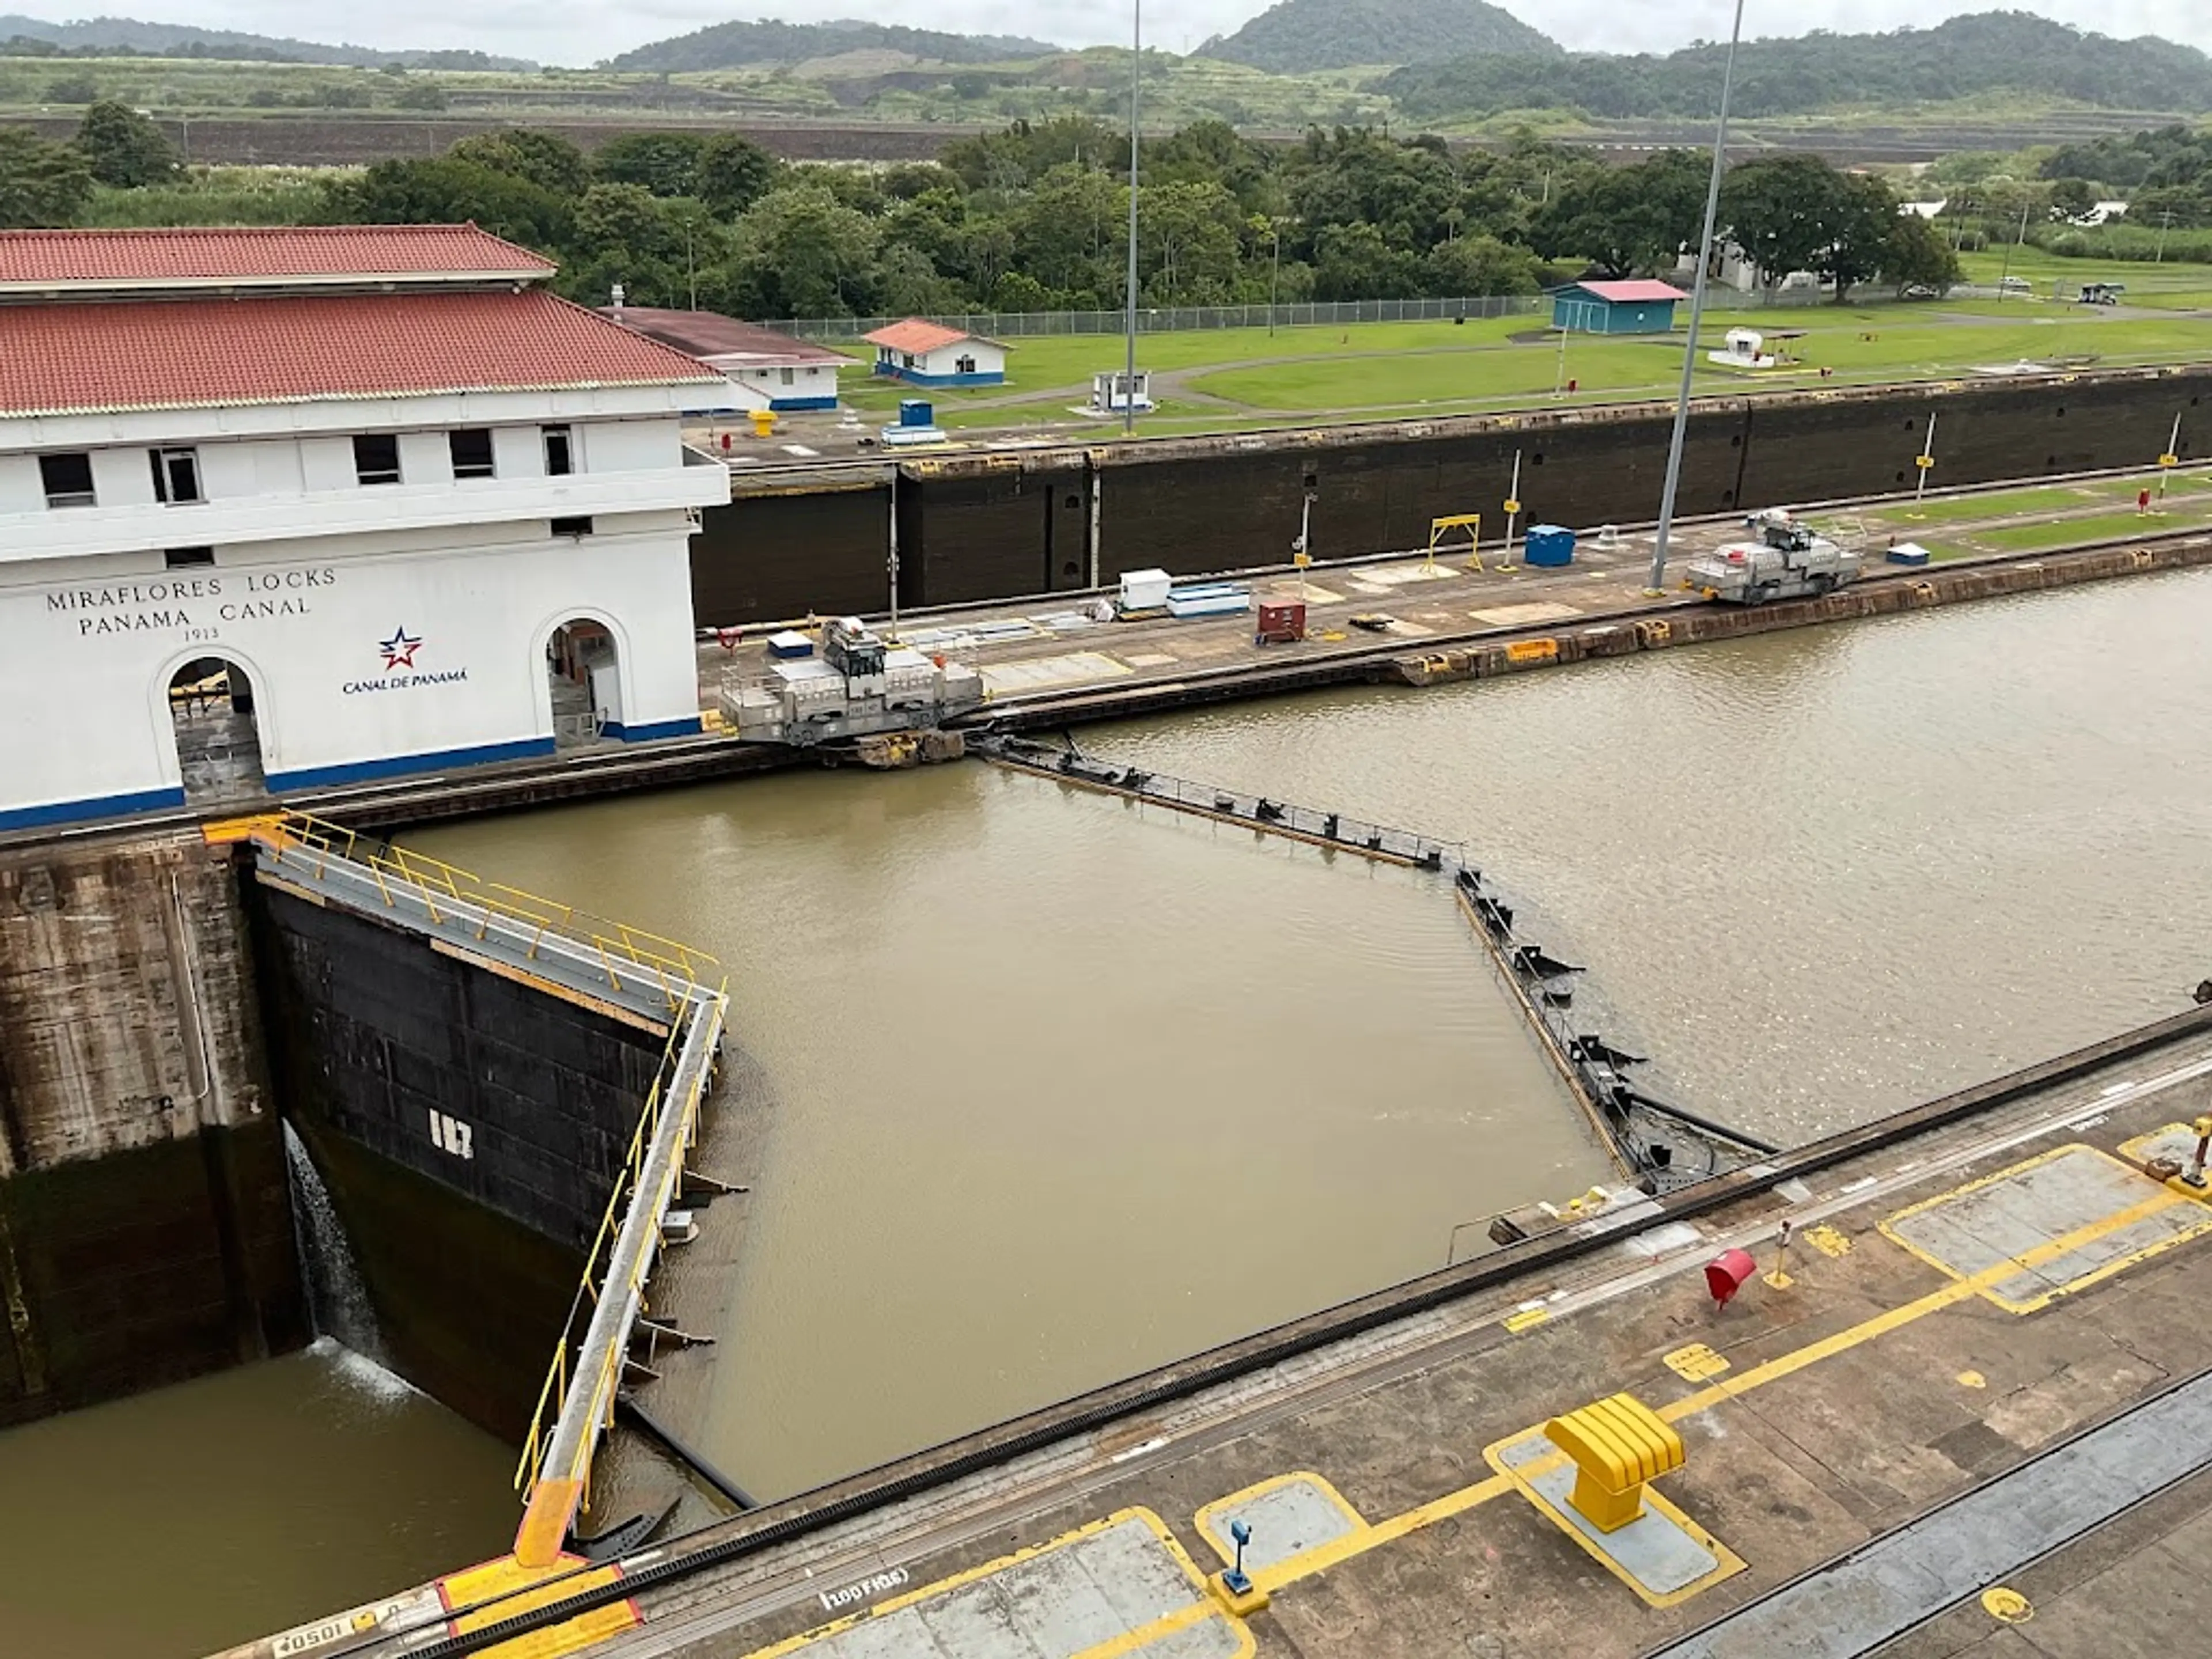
[1275,276]
[1136,76]
[1697,315]
[2022,242]
[2165,224]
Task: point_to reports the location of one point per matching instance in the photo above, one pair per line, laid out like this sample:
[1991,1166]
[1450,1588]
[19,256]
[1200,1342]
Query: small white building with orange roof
[923,352]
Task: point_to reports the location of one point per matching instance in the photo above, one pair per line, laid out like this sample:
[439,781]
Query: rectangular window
[67,479]
[787,376]
[180,558]
[560,456]
[576,526]
[472,448]
[176,476]
[376,457]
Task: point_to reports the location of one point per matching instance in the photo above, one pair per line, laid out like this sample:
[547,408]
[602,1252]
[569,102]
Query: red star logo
[399,650]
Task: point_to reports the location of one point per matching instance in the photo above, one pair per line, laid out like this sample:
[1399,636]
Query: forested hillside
[1295,37]
[1967,57]
[746,45]
[118,34]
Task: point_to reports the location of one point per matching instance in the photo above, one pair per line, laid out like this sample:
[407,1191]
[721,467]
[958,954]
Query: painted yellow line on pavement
[1958,1290]
[1170,1624]
[1372,1535]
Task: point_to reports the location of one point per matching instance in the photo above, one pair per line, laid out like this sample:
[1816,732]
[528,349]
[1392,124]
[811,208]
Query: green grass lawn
[1379,371]
[1960,509]
[1858,345]
[2062,532]
[2187,491]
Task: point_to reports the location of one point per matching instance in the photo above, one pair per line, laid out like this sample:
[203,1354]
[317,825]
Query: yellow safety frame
[1441,528]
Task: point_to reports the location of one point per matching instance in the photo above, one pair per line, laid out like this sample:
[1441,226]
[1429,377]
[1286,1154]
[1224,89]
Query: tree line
[1033,217]
[1987,54]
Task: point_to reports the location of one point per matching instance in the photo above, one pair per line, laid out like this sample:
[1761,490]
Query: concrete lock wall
[470,1128]
[1001,525]
[369,656]
[786,552]
[145,1224]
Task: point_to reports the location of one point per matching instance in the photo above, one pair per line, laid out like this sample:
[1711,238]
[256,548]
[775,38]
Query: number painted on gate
[450,1134]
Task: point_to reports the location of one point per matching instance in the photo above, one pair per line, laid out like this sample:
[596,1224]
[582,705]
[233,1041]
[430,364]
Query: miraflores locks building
[400,493]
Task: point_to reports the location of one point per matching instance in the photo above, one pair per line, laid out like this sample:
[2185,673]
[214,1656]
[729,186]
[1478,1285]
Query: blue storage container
[916,411]
[1549,545]
[1908,554]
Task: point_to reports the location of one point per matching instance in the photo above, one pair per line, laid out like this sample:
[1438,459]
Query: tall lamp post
[1275,276]
[1697,315]
[1136,76]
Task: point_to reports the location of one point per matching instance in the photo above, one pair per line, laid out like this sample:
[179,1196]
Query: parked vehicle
[1788,562]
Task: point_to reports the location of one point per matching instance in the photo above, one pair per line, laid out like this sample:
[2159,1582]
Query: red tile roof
[174,353]
[916,335]
[36,259]
[710,334]
[1629,293]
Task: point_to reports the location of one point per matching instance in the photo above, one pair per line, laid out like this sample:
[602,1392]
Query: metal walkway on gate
[1649,1138]
[608,966]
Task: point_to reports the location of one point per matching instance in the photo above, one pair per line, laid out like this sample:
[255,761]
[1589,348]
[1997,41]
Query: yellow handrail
[674,966]
[552,1396]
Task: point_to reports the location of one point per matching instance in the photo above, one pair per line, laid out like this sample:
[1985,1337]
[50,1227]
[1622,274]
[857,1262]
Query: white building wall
[278,467]
[327,464]
[120,477]
[628,445]
[946,360]
[233,469]
[97,643]
[424,459]
[314,572]
[518,451]
[20,489]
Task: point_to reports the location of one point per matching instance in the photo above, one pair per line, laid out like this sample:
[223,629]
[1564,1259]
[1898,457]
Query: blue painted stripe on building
[652,729]
[390,766]
[802,403]
[93,806]
[915,377]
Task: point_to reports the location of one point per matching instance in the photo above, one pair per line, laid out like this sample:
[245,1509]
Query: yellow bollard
[1618,1445]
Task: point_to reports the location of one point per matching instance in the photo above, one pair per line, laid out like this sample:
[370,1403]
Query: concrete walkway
[1907,1576]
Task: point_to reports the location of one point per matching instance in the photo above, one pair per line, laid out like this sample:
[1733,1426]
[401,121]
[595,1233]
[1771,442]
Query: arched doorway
[211,709]
[584,675]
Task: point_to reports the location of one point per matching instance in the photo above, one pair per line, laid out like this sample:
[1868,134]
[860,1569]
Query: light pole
[1136,76]
[2006,275]
[1697,313]
[1275,276]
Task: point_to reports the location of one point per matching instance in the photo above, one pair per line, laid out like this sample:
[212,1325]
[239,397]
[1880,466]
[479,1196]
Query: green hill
[1295,37]
[129,34]
[766,44]
[1989,53]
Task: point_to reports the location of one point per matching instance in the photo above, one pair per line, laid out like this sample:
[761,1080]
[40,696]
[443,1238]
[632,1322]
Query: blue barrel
[1549,545]
[916,411]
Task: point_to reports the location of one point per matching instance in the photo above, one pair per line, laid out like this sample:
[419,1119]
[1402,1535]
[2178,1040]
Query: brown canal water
[182,1521]
[1053,1086]
[1054,1089]
[1824,874]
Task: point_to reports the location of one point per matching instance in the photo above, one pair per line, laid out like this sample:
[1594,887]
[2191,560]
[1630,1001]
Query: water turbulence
[338,1300]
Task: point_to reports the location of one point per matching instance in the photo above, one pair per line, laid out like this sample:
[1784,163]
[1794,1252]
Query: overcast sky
[565,32]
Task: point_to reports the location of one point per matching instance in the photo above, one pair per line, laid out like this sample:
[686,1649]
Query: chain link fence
[1163,319]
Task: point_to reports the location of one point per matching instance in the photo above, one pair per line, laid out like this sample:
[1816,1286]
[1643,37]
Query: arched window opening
[211,709]
[583,672]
